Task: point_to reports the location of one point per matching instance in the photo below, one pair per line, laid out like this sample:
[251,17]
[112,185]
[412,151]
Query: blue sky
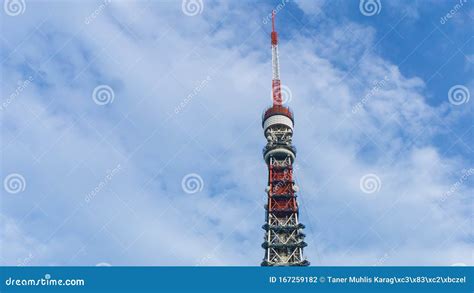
[131,131]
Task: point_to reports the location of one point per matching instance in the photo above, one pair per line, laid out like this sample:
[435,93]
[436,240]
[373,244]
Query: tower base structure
[284,239]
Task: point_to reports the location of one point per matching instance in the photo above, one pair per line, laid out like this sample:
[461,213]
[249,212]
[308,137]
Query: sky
[131,131]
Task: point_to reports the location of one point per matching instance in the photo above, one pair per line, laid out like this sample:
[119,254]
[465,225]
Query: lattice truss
[284,239]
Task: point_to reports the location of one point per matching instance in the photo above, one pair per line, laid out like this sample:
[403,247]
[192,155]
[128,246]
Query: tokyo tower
[284,239]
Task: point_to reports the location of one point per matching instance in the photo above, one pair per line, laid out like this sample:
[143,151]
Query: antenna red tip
[274,33]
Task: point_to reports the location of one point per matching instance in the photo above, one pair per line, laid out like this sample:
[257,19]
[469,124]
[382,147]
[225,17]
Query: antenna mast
[276,87]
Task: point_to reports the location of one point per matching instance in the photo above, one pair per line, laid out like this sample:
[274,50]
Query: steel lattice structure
[284,239]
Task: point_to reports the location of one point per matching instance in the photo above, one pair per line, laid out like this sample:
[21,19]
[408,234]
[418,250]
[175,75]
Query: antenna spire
[274,33]
[276,89]
[273,20]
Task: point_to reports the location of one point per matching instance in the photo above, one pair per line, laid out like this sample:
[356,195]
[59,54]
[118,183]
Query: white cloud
[310,7]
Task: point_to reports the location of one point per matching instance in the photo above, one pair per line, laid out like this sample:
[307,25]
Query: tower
[283,232]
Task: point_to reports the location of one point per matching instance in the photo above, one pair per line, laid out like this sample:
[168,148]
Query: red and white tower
[283,232]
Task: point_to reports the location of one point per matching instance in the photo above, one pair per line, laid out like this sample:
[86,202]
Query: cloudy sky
[131,131]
